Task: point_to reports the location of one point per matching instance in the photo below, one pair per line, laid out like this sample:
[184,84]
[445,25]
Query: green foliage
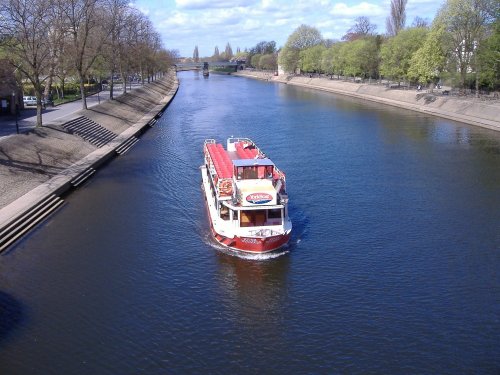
[261,48]
[310,58]
[489,59]
[396,52]
[429,60]
[361,57]
[339,57]
[327,60]
[256,61]
[467,22]
[289,59]
[268,62]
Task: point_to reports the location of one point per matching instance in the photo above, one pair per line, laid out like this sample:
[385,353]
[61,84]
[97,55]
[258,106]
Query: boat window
[274,216]
[254,172]
[269,171]
[250,173]
[261,172]
[253,218]
[224,212]
[239,173]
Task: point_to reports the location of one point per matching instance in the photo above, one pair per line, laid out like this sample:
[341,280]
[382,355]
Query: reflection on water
[12,315]
[256,291]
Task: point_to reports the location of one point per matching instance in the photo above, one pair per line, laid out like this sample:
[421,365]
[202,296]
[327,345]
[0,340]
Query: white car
[29,100]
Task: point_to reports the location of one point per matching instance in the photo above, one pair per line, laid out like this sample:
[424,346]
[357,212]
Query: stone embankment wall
[484,113]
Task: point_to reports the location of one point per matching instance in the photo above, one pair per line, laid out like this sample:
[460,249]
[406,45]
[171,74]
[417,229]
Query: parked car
[29,100]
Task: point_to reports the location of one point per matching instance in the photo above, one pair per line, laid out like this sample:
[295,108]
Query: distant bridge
[212,65]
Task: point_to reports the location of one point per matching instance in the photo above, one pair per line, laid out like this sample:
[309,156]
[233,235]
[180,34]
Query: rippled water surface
[393,267]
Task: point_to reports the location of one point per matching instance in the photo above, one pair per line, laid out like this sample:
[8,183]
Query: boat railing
[265,232]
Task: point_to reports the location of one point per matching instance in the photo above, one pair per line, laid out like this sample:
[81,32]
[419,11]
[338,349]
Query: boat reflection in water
[254,291]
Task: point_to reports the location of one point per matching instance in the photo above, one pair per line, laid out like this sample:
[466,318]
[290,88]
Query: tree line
[461,45]
[48,40]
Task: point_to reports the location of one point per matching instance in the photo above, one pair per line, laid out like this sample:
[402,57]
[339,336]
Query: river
[393,266]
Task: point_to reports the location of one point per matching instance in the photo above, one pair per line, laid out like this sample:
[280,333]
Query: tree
[302,38]
[87,28]
[269,61]
[327,61]
[113,50]
[262,48]
[361,28]
[420,22]
[255,61]
[26,28]
[396,52]
[216,55]
[56,37]
[429,60]
[310,58]
[196,55]
[397,18]
[289,59]
[361,57]
[489,58]
[467,21]
[228,52]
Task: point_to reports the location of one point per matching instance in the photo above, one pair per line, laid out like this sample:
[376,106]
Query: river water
[393,267]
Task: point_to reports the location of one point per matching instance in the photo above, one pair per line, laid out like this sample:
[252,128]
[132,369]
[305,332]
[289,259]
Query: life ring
[226,187]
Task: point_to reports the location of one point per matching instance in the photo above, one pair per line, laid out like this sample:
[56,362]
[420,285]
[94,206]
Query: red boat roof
[222,162]
[245,153]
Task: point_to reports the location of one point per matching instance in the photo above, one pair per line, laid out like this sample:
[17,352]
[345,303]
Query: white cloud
[361,9]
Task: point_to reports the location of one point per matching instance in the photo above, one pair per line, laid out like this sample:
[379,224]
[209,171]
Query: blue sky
[243,23]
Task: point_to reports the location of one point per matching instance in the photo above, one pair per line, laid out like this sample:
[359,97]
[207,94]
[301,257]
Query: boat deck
[223,159]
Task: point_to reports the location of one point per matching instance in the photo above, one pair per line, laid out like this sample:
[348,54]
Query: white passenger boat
[246,196]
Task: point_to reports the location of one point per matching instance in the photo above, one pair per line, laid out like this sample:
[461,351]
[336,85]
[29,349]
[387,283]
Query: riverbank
[478,112]
[52,160]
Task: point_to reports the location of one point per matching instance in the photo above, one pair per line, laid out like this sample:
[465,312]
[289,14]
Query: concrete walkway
[44,161]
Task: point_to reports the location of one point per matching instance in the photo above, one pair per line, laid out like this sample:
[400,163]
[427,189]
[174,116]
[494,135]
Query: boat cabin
[253,169]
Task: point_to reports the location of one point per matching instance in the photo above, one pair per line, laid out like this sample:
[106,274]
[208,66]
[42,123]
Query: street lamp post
[15,110]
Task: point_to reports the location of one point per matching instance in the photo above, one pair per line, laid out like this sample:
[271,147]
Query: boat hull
[253,244]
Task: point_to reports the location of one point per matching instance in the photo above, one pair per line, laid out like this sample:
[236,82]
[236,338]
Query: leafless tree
[361,28]
[56,45]
[420,22]
[117,12]
[196,54]
[397,18]
[88,34]
[26,28]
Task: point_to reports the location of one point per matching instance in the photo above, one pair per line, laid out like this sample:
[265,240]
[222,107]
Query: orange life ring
[226,187]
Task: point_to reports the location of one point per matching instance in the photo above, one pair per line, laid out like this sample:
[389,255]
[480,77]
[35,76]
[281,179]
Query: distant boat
[246,197]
